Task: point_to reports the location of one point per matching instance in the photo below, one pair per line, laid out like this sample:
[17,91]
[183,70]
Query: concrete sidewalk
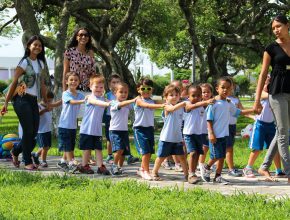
[171,178]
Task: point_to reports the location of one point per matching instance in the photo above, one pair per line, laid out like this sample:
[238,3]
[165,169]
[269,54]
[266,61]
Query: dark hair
[224,78]
[68,74]
[145,82]
[197,87]
[281,18]
[114,76]
[40,56]
[170,88]
[74,42]
[49,95]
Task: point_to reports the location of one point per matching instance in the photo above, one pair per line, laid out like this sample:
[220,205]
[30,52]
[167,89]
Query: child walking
[263,132]
[91,126]
[192,131]
[218,116]
[143,125]
[207,93]
[44,129]
[71,101]
[170,142]
[118,129]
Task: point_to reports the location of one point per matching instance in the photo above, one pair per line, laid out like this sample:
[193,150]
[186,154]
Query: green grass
[28,196]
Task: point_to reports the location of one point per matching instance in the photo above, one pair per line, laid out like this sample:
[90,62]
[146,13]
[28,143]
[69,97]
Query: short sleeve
[114,105]
[270,49]
[235,112]
[209,113]
[67,54]
[81,96]
[23,64]
[66,97]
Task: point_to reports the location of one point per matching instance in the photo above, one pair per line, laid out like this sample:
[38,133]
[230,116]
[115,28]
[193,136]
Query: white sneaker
[147,176]
[140,172]
[205,174]
[221,181]
[248,172]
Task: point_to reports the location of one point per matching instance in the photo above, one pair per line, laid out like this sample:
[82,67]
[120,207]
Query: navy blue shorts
[90,142]
[232,134]
[44,139]
[262,135]
[66,139]
[166,149]
[205,141]
[106,120]
[120,141]
[193,143]
[144,139]
[218,150]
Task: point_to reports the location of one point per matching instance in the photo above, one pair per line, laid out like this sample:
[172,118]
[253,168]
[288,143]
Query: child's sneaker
[86,169]
[205,174]
[62,166]
[178,167]
[166,165]
[234,173]
[248,172]
[115,170]
[132,160]
[43,164]
[280,175]
[103,170]
[221,180]
[109,159]
[72,168]
[140,172]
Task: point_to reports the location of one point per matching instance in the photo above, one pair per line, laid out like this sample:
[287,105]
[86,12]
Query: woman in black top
[277,54]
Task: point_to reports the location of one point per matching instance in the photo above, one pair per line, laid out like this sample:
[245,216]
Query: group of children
[192,125]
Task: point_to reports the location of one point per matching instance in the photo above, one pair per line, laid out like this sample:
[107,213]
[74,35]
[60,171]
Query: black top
[280,75]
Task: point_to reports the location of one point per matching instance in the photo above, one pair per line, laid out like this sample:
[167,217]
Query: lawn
[27,196]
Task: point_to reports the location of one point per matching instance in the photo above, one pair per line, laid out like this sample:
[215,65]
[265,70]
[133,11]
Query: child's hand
[212,138]
[168,108]
[211,101]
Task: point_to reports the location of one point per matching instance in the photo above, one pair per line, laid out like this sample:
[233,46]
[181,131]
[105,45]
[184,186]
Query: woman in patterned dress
[79,58]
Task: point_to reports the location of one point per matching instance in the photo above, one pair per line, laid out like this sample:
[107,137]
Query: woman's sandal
[268,176]
[33,168]
[15,160]
[271,179]
[156,177]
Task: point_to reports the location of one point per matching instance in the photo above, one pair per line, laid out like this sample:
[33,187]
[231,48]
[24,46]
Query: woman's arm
[65,70]
[261,81]
[18,72]
[143,104]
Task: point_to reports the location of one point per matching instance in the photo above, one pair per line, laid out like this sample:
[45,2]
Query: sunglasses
[83,35]
[146,89]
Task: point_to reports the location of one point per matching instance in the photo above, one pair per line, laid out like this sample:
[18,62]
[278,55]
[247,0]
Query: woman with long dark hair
[28,74]
[277,54]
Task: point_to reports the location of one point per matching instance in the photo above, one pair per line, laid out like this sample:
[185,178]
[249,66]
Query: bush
[3,85]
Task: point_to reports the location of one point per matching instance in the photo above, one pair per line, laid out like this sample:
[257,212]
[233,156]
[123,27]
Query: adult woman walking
[24,103]
[79,58]
[277,54]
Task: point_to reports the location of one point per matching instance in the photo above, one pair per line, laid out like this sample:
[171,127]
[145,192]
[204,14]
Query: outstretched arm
[190,106]
[143,104]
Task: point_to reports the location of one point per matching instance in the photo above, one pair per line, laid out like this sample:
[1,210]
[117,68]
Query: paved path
[175,179]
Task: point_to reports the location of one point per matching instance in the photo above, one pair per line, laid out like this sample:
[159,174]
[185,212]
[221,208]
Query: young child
[118,129]
[192,131]
[143,125]
[170,142]
[218,117]
[114,79]
[71,101]
[232,133]
[44,129]
[207,93]
[263,132]
[91,126]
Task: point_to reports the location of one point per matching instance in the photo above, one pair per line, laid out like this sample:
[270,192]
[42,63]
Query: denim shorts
[144,139]
[262,135]
[106,120]
[166,149]
[91,142]
[66,139]
[44,139]
[193,143]
[218,149]
[120,141]
[232,134]
[205,141]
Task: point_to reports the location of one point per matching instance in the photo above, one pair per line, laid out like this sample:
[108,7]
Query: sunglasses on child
[144,89]
[83,35]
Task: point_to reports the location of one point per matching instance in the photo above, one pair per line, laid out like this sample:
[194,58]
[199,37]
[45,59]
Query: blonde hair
[97,78]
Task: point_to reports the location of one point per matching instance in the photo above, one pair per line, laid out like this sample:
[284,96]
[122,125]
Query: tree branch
[13,20]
